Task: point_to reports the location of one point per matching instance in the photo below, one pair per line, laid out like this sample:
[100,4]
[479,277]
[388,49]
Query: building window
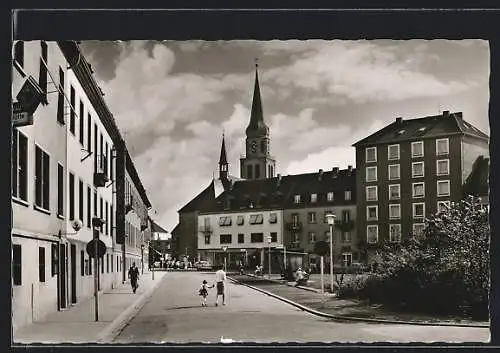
[312,237]
[371,173]
[346,215]
[442,146]
[89,133]
[41,264]
[80,200]
[395,211]
[42,179]
[347,195]
[443,167]
[111,220]
[418,228]
[372,234]
[257,237]
[329,196]
[372,193]
[418,190]
[314,198]
[394,172]
[71,196]
[89,207]
[249,172]
[372,213]
[371,154]
[295,218]
[395,233]
[240,220]
[443,188]
[393,152]
[346,237]
[207,239]
[443,206]
[346,259]
[417,149]
[60,97]
[102,264]
[96,142]
[394,192]
[417,169]
[17,265]
[273,218]
[95,203]
[82,263]
[274,237]
[418,210]
[256,219]
[106,208]
[60,190]
[111,262]
[44,62]
[296,199]
[107,263]
[257,171]
[241,238]
[19,165]
[311,217]
[54,256]
[80,117]
[19,52]
[72,109]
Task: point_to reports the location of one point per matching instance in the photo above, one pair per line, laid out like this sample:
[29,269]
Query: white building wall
[134,237]
[33,228]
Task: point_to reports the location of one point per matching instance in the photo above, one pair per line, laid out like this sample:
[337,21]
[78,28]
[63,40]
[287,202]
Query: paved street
[174,314]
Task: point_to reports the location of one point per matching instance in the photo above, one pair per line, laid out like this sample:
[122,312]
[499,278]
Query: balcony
[101,172]
[344,226]
[294,226]
[206,230]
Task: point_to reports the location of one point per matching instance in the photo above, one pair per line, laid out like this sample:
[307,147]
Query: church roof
[223,156]
[257,127]
[200,201]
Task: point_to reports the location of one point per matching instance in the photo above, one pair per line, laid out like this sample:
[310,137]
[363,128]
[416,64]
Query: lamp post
[224,248]
[330,217]
[142,259]
[269,254]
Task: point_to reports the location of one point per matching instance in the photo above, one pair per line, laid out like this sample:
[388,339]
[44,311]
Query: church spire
[257,127]
[223,165]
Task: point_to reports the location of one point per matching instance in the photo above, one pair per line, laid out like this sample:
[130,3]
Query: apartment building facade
[410,169]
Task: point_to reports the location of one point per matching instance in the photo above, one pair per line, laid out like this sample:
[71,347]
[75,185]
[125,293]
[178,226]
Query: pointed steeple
[223,165]
[257,127]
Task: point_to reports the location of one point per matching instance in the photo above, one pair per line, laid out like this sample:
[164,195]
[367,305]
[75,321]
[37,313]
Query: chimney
[446,113]
[335,172]
[320,174]
[399,120]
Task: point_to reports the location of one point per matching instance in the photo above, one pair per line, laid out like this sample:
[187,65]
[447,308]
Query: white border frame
[392,205]
[366,154]
[367,213]
[389,190]
[447,169]
[446,181]
[417,224]
[376,174]
[398,225]
[414,216]
[413,190]
[412,149]
[389,171]
[367,239]
[366,193]
[447,147]
[446,202]
[413,175]
[389,154]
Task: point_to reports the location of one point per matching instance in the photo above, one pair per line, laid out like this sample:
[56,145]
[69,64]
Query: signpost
[321,249]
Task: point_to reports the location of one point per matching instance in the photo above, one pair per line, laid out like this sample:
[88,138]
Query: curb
[119,323]
[352,318]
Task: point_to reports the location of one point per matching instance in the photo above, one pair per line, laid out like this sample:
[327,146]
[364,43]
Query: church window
[263,146]
[257,171]
[249,172]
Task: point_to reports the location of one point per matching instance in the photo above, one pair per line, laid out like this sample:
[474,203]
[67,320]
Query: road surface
[174,314]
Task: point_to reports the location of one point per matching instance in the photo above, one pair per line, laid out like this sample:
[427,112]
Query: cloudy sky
[172,100]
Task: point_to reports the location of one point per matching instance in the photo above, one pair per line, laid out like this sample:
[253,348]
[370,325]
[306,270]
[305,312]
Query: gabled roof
[200,201]
[156,228]
[421,128]
[279,192]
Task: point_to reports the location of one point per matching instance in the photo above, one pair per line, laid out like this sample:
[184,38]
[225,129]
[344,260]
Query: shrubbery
[443,271]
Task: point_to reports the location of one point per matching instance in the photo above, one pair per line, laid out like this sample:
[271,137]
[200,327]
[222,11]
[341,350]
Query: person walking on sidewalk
[133,274]
[220,278]
[203,292]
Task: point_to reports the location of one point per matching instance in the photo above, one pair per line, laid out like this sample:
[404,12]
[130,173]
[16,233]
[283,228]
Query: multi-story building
[410,169]
[39,252]
[312,197]
[63,181]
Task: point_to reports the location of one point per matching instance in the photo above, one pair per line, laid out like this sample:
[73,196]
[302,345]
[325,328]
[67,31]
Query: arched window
[249,172]
[263,146]
[257,171]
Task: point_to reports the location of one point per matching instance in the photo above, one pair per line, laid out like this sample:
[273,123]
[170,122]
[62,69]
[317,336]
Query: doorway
[62,273]
[73,273]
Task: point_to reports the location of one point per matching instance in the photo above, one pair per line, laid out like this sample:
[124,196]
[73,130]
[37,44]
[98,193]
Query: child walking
[204,292]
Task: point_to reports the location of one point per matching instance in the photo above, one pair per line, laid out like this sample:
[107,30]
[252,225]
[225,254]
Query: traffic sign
[321,248]
[101,248]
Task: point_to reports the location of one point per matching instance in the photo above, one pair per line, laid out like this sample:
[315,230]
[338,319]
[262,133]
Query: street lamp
[142,259]
[269,239]
[330,217]
[224,248]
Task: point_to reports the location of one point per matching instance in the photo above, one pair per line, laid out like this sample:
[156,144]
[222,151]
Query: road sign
[321,248]
[101,248]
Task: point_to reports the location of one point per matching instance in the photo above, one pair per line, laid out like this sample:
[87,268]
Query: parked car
[203,266]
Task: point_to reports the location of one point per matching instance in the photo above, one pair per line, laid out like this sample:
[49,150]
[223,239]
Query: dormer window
[256,219]
[273,218]
[393,152]
[240,220]
[329,196]
[225,221]
[347,195]
[296,199]
[314,198]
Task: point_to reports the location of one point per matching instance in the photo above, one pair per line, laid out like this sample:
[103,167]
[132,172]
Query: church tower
[257,162]
[223,165]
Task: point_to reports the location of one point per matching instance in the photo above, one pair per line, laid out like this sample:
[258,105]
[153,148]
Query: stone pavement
[77,324]
[345,308]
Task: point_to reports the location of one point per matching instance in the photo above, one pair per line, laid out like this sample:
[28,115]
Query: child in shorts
[203,292]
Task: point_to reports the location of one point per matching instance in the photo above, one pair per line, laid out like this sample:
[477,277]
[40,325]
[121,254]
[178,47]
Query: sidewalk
[312,300]
[77,324]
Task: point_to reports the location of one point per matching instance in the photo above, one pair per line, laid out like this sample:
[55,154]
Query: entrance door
[73,273]
[62,273]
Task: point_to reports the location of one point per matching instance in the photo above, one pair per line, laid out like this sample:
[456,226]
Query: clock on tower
[253,146]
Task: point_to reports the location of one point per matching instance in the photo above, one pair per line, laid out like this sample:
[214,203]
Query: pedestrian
[133,274]
[203,292]
[220,278]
